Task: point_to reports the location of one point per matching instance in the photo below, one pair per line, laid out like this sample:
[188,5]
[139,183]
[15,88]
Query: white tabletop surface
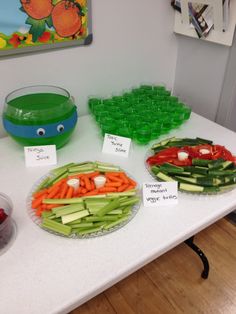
[45,273]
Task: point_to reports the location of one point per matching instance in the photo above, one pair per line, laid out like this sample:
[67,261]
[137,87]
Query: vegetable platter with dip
[198,165]
[86,199]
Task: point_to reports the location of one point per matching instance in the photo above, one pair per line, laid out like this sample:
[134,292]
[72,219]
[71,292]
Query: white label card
[40,155]
[160,193]
[116,145]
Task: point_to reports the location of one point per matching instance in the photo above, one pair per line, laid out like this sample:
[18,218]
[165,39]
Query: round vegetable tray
[91,214]
[198,165]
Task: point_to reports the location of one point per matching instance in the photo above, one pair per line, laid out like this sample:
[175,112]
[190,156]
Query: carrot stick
[90,193]
[93,174]
[93,185]
[83,191]
[38,201]
[64,190]
[53,192]
[122,188]
[87,183]
[50,206]
[113,178]
[132,182]
[82,182]
[57,184]
[39,193]
[107,189]
[70,192]
[124,177]
[39,211]
[113,184]
[130,187]
[115,174]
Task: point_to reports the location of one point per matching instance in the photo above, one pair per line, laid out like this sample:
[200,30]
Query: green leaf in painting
[37,28]
[48,21]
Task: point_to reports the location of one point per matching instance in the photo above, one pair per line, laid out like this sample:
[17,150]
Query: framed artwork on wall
[33,25]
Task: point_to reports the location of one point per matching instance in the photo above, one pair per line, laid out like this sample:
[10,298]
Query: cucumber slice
[221,172]
[164,177]
[155,169]
[203,141]
[171,168]
[196,169]
[200,162]
[227,164]
[186,179]
[191,187]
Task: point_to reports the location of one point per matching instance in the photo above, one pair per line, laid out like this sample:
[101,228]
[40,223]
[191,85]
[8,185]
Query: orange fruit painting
[37,9]
[66,18]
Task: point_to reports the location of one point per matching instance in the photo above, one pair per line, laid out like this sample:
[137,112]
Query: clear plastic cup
[7,227]
[142,133]
[93,101]
[109,127]
[124,131]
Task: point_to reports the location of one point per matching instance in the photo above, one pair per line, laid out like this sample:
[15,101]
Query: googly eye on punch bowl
[40,115]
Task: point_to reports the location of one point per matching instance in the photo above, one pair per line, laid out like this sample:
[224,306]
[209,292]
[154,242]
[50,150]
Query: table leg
[202,256]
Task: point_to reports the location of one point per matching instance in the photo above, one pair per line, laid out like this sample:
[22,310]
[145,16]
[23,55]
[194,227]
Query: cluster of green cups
[142,114]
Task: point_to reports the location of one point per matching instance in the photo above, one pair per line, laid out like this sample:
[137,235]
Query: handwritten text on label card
[160,193]
[116,145]
[40,155]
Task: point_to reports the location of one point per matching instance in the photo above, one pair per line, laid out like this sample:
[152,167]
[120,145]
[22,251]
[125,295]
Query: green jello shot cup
[142,133]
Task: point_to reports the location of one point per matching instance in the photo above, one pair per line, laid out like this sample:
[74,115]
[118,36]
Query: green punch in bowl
[40,115]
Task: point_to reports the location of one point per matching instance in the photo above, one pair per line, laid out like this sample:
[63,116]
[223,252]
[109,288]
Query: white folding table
[45,273]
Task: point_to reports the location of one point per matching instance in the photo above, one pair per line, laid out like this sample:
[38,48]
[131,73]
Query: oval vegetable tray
[198,165]
[83,210]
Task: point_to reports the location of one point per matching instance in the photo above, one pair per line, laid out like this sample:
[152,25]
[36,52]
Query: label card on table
[116,145]
[160,193]
[40,155]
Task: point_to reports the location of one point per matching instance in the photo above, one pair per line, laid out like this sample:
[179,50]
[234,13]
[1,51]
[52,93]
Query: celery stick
[56,226]
[90,230]
[115,223]
[127,209]
[43,184]
[70,210]
[107,169]
[102,218]
[82,168]
[75,200]
[91,197]
[118,194]
[82,225]
[98,200]
[109,207]
[68,207]
[130,201]
[47,214]
[65,167]
[57,178]
[71,217]
[106,164]
[116,212]
[77,221]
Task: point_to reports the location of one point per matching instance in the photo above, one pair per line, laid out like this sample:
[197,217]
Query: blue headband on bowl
[41,131]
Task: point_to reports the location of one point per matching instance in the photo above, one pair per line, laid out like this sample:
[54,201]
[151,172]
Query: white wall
[133,43]
[226,114]
[199,77]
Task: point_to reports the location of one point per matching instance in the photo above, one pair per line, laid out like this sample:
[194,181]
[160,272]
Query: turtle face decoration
[41,131]
[44,134]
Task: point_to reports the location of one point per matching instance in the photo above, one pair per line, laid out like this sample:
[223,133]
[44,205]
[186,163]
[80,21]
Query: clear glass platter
[38,220]
[150,153]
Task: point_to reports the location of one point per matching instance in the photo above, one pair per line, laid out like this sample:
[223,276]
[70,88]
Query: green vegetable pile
[210,172]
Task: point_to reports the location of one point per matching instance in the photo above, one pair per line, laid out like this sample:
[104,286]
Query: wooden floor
[172,283]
